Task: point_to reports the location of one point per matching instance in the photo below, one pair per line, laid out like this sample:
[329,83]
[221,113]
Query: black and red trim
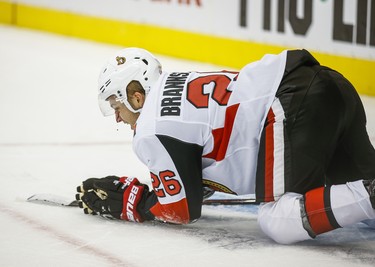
[319,211]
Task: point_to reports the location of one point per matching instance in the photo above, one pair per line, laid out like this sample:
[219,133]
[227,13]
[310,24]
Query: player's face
[122,113]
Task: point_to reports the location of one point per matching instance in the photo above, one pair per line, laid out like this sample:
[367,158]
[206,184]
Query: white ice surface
[52,136]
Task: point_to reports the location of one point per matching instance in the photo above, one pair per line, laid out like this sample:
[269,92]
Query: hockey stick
[55,200]
[230,201]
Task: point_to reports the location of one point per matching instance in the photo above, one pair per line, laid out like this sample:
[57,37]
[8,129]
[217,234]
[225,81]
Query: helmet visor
[105,107]
[108,110]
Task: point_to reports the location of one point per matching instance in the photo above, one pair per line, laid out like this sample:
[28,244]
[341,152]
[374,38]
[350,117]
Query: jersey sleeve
[176,175]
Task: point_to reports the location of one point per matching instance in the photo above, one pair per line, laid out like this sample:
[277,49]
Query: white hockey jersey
[204,128]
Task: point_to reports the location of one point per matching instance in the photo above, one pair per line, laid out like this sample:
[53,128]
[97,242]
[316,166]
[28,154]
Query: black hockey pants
[324,133]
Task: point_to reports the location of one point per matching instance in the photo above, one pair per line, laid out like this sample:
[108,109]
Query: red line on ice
[64,237]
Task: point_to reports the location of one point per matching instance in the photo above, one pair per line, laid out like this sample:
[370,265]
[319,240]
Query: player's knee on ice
[348,204]
[281,220]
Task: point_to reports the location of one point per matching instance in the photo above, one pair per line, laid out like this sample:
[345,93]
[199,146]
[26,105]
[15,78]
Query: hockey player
[284,128]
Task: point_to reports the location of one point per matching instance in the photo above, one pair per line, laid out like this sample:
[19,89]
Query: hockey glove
[112,197]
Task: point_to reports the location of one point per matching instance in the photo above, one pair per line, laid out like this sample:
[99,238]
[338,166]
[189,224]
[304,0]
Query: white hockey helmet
[130,64]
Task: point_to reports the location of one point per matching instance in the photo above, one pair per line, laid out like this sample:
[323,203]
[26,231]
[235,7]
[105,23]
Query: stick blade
[53,200]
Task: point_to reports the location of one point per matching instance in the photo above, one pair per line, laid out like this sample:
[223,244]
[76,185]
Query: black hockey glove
[112,197]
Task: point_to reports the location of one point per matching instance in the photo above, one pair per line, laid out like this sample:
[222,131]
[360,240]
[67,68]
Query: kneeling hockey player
[284,128]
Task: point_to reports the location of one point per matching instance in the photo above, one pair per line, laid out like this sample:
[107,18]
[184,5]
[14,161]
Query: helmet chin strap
[128,106]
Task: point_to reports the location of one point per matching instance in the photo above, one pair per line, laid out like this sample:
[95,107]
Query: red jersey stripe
[222,135]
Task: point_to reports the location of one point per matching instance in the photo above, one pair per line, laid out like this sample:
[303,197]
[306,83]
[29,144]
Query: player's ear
[138,99]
